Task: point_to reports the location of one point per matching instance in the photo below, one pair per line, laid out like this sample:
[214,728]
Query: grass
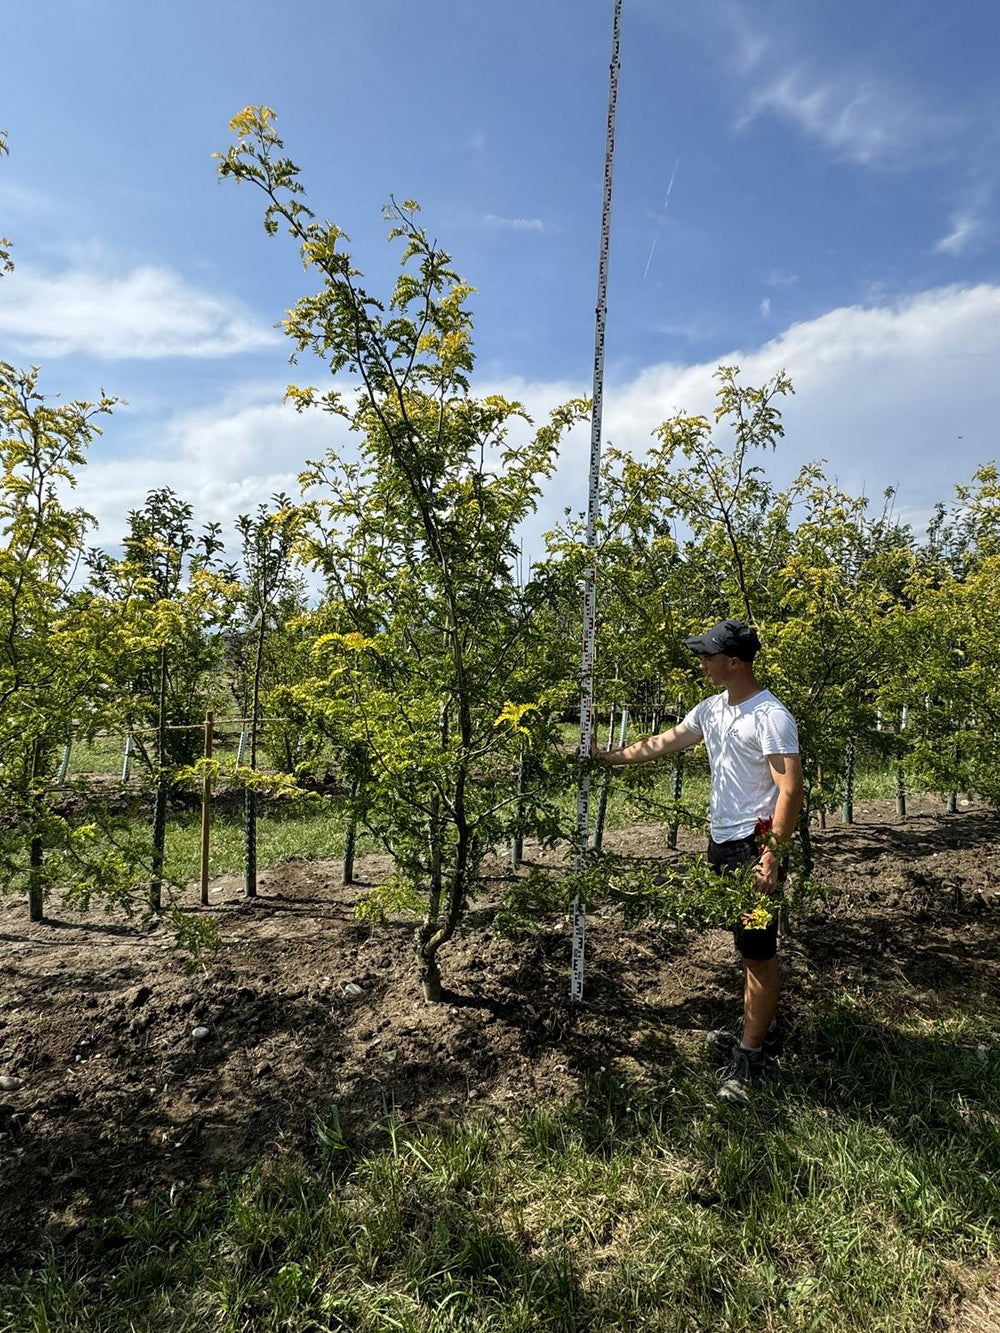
[860,1194]
[636,796]
[104,755]
[281,834]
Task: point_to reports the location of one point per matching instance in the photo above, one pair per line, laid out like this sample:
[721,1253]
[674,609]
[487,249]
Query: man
[756,796]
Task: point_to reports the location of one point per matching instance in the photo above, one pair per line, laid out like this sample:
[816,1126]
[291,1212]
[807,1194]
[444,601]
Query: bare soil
[305,1007]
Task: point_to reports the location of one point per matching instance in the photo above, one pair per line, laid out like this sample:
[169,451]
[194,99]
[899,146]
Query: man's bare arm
[654,747]
[786,769]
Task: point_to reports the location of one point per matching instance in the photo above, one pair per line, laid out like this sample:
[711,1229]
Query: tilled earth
[108,1094]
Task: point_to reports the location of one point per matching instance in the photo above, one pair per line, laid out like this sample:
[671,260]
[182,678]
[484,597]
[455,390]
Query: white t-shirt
[737,738]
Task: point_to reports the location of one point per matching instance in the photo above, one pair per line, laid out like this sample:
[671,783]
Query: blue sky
[835,210]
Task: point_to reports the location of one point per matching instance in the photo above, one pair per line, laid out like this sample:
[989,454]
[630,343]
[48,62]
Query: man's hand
[765,877]
[601,755]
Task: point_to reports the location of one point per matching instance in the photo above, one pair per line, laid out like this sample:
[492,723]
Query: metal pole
[517,837]
[678,784]
[848,811]
[590,574]
[350,838]
[36,849]
[602,799]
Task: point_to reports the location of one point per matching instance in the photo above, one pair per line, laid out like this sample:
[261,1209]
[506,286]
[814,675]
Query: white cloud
[856,106]
[780,277]
[857,115]
[882,392]
[765,307]
[965,228]
[224,460]
[498,223]
[146,313]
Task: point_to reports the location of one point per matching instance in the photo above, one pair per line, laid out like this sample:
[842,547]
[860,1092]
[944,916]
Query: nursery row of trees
[429,666]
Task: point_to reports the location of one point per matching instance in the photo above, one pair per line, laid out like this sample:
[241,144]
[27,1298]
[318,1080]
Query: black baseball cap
[731,637]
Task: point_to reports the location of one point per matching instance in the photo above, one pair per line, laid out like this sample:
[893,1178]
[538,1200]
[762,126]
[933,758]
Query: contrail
[659,225]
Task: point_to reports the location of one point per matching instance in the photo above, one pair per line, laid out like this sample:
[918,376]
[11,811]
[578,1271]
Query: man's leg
[761,987]
[761,983]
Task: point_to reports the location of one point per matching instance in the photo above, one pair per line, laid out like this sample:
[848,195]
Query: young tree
[50,677]
[426,686]
[171,598]
[271,592]
[944,640]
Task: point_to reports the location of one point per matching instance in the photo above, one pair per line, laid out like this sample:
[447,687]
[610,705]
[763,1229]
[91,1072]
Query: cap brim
[699,644]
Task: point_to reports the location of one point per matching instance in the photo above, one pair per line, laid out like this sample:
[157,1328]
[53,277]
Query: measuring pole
[593,505]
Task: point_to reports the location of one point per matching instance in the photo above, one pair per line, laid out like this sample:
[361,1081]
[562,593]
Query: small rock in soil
[353,989]
[9,1083]
[200,1034]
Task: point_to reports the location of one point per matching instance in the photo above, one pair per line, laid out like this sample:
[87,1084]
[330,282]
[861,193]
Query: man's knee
[763,970]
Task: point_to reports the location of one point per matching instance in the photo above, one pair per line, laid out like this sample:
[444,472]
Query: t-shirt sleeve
[777,731]
[692,721]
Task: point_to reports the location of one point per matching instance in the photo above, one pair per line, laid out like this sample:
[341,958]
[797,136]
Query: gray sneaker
[723,1040]
[743,1073]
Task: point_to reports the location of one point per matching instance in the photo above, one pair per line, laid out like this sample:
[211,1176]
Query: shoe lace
[738,1068]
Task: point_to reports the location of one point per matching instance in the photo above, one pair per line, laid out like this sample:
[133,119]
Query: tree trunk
[206,811]
[601,814]
[678,791]
[36,854]
[430,978]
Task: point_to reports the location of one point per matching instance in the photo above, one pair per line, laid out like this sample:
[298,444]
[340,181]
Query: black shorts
[757,945]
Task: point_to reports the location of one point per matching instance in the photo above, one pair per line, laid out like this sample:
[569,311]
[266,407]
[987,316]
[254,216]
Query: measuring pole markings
[593,505]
